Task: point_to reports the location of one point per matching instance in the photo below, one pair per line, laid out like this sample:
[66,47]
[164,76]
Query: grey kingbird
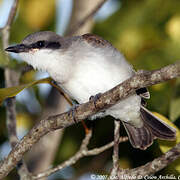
[87,65]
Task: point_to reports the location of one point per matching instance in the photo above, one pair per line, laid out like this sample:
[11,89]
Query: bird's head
[40,49]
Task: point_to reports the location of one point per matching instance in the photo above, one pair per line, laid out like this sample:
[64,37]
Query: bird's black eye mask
[20,48]
[46,44]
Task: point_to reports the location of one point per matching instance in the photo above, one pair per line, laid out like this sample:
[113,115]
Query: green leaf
[13,91]
[167,145]
[174,109]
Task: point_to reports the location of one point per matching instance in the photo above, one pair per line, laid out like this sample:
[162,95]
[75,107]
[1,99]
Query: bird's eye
[40,44]
[22,45]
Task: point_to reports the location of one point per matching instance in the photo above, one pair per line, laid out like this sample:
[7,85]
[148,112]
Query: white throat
[55,62]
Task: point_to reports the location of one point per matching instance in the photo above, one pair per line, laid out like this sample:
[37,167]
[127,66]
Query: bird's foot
[54,82]
[72,111]
[95,98]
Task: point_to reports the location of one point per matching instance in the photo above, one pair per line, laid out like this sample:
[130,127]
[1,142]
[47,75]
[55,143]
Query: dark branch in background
[85,19]
[107,99]
[11,79]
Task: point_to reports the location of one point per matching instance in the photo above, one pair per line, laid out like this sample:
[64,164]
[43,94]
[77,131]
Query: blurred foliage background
[147,32]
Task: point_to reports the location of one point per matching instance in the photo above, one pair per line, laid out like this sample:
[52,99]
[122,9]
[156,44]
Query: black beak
[17,48]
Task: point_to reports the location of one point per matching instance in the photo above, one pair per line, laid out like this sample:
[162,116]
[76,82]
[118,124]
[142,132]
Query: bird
[87,65]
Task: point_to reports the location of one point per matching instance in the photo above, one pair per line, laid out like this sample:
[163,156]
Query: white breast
[97,71]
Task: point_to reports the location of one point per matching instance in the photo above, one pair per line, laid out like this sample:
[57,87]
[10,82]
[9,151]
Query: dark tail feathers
[153,128]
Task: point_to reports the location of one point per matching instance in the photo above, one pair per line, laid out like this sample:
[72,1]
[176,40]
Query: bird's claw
[54,82]
[94,99]
[72,111]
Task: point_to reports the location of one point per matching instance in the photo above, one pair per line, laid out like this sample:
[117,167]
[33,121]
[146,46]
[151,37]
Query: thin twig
[11,79]
[70,161]
[105,100]
[85,19]
[116,148]
[83,151]
[96,151]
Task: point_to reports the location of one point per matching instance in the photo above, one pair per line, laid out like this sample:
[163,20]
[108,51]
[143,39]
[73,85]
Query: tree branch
[107,99]
[152,167]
